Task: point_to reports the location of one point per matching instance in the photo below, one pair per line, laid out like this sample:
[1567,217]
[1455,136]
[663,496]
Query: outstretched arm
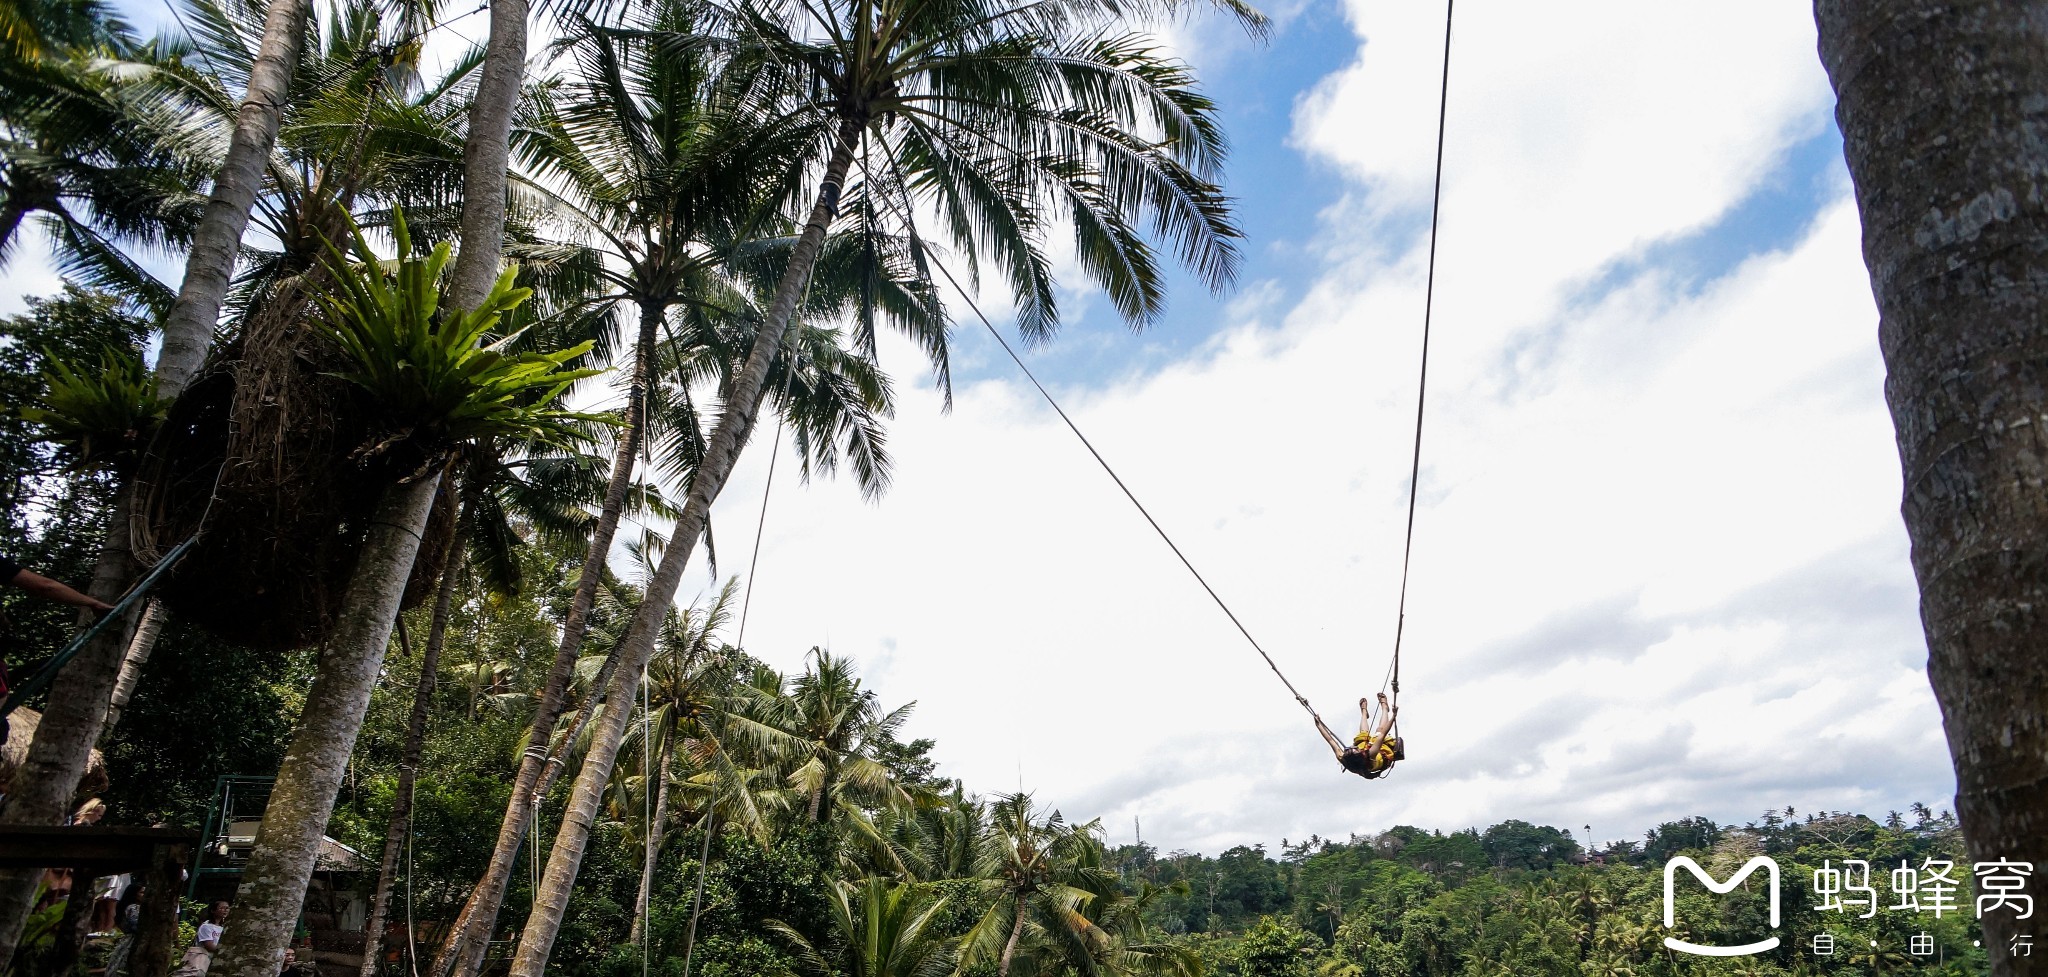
[41,586]
[1336,745]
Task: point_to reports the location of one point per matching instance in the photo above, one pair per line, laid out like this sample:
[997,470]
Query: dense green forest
[789,892]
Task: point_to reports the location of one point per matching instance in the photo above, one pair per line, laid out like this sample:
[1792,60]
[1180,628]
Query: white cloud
[1658,571]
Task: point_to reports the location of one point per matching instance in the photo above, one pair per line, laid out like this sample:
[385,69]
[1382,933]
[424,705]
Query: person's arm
[41,586]
[1336,745]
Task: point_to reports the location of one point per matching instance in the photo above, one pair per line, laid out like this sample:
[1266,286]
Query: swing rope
[1111,472]
[1422,381]
[1421,397]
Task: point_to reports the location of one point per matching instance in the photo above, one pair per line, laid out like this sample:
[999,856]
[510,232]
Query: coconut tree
[677,695]
[436,380]
[649,169]
[880,928]
[1002,117]
[92,152]
[1034,868]
[83,689]
[1935,102]
[669,187]
[1005,117]
[491,488]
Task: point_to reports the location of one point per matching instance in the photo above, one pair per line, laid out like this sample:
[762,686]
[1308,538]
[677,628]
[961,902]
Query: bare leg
[1379,734]
[1365,713]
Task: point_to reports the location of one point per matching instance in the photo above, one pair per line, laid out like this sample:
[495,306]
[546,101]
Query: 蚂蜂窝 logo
[1670,872]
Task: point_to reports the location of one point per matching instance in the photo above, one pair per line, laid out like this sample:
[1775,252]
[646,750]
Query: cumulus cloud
[1659,569]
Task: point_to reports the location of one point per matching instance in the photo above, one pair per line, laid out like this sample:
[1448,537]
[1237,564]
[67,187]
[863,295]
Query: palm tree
[437,386]
[81,693]
[1002,116]
[680,683]
[879,929]
[86,147]
[490,486]
[1034,869]
[649,170]
[1933,101]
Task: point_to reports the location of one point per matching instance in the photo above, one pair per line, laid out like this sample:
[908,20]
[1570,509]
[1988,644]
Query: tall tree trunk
[273,888]
[42,789]
[415,738]
[486,156]
[537,941]
[1945,126]
[655,827]
[462,952]
[1016,934]
[139,647]
[188,327]
[80,696]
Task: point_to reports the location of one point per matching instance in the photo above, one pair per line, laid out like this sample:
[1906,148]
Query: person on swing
[1371,751]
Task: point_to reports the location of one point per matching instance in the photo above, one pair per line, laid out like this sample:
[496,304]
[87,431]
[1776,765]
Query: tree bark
[273,886]
[42,789]
[1016,934]
[1945,127]
[80,696]
[486,155]
[637,644]
[154,614]
[415,740]
[188,327]
[655,826]
[156,938]
[462,952]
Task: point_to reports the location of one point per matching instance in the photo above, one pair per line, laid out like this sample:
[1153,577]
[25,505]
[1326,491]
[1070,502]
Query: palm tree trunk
[655,829]
[1010,945]
[1941,109]
[558,758]
[273,888]
[462,953]
[415,740]
[154,614]
[80,697]
[537,940]
[486,155]
[188,327]
[44,785]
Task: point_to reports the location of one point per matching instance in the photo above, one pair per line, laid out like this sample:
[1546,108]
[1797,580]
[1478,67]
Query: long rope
[1422,383]
[774,452]
[1113,476]
[1415,464]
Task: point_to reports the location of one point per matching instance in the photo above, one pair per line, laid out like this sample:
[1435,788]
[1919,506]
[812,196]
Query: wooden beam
[106,851]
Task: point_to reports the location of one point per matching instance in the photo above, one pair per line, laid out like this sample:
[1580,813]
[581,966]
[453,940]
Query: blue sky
[1659,567]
